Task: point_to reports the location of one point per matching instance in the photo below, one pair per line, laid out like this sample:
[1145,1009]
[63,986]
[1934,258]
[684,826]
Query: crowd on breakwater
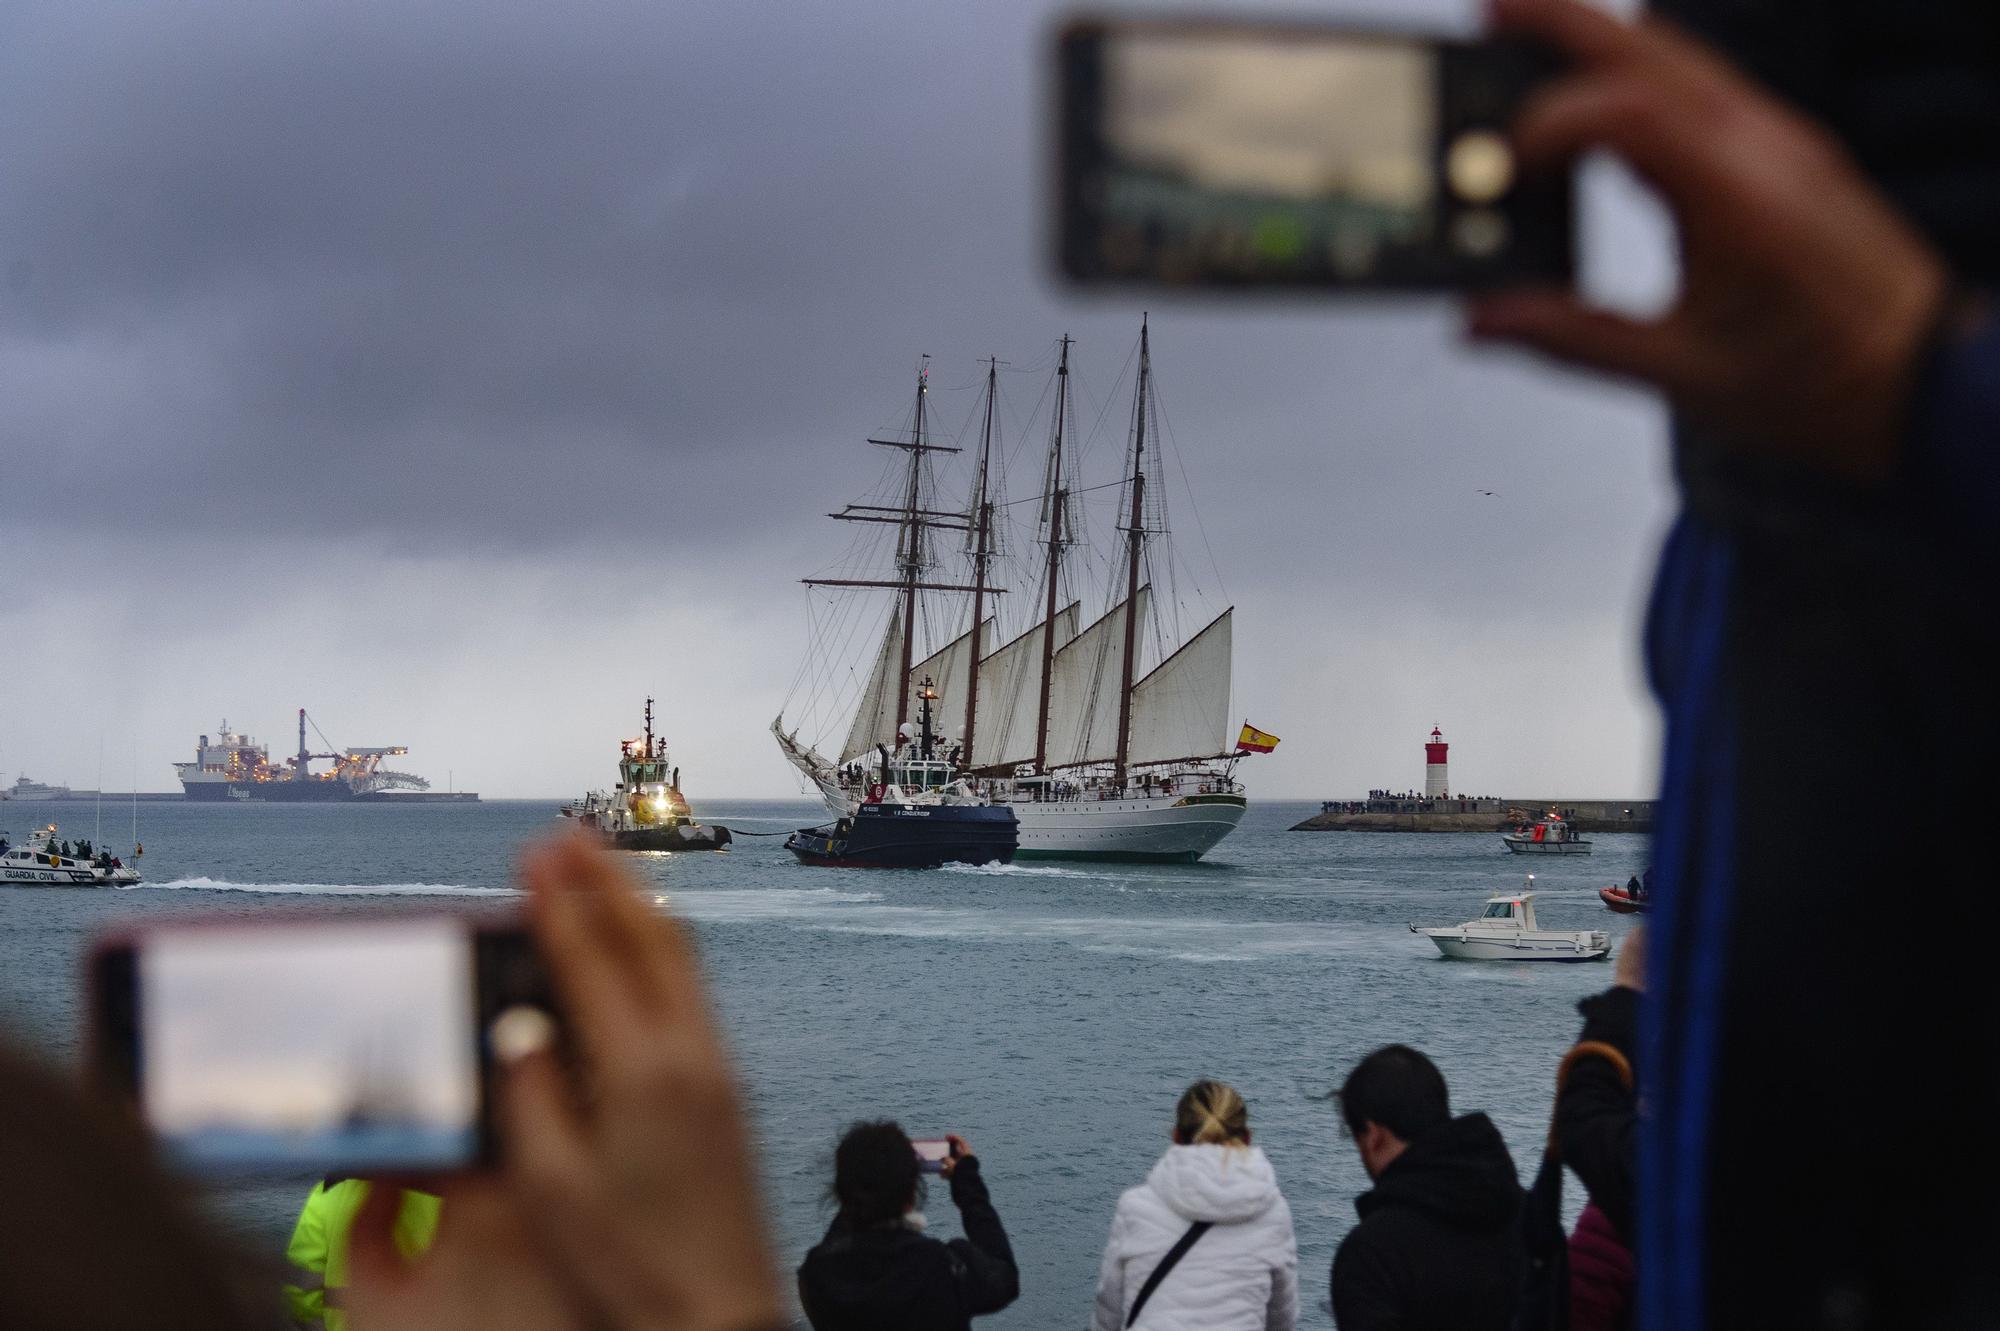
[1417,814]
[1382,801]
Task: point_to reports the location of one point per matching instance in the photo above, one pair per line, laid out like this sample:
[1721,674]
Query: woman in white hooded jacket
[1242,1273]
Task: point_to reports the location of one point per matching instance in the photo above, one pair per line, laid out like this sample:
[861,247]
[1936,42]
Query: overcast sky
[463,372]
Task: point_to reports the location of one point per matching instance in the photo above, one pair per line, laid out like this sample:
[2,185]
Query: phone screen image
[320,1046]
[931,1154]
[1205,152]
[1238,152]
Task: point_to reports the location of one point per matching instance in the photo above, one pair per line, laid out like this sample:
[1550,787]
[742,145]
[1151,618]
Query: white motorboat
[1506,931]
[40,863]
[1547,836]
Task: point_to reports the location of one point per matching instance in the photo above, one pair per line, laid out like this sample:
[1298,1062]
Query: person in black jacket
[1597,1109]
[1597,1134]
[876,1270]
[1438,1247]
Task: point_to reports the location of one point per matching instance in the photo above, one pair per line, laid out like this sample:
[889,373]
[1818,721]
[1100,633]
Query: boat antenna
[927,694]
[649,727]
[1135,549]
[1056,500]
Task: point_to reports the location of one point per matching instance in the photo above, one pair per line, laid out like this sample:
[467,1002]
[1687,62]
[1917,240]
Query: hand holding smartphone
[932,1152]
[344,1043]
[633,1205]
[1209,152]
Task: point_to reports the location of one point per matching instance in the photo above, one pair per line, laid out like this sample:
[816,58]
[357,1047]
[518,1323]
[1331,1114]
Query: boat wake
[326,889]
[1019,871]
[1158,939]
[726,905]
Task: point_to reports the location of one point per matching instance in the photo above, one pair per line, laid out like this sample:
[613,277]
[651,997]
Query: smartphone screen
[1217,153]
[931,1154]
[322,1045]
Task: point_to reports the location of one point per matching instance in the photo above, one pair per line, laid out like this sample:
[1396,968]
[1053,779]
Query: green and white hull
[1176,828]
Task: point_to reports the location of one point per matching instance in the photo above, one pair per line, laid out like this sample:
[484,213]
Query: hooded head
[1212,1172]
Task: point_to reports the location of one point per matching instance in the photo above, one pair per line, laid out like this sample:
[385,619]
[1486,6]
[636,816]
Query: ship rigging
[1098,757]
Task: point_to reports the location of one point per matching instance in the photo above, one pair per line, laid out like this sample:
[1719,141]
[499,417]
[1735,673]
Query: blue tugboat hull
[911,836]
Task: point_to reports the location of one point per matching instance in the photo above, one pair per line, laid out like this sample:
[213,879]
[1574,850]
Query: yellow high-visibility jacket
[318,1250]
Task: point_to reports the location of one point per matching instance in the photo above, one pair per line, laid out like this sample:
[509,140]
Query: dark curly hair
[875,1174]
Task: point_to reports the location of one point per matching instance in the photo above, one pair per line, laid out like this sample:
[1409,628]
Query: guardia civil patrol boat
[39,862]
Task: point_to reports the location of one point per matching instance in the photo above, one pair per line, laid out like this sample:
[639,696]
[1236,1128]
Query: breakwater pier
[1391,813]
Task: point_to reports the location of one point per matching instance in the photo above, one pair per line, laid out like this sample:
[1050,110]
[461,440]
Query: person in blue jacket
[1821,637]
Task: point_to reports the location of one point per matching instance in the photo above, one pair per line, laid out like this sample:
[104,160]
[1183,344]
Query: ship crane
[360,769]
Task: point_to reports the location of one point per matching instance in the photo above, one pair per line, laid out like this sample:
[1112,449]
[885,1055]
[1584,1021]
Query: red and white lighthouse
[1436,783]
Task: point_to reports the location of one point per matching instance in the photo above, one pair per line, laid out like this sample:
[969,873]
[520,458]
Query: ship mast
[910,548]
[982,553]
[1056,501]
[912,519]
[1135,543]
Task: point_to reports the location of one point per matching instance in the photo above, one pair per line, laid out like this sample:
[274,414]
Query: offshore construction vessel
[236,766]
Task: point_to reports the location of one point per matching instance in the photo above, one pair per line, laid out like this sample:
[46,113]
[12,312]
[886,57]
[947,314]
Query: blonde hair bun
[1211,1113]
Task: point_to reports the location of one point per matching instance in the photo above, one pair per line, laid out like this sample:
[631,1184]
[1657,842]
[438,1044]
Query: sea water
[1050,1013]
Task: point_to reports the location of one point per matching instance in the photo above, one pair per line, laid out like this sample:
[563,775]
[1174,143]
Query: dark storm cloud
[436,265]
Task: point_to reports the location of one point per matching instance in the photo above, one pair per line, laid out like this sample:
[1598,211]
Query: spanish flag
[1253,740]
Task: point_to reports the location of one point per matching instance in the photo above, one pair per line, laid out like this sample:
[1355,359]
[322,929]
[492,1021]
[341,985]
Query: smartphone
[932,1152]
[342,1043]
[1216,153]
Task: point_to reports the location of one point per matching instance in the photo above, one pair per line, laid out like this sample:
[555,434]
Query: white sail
[875,715]
[1083,700]
[1181,708]
[946,670]
[1010,694]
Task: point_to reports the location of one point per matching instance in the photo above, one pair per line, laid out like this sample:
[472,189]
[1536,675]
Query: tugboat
[1548,836]
[1506,931]
[645,810]
[921,814]
[41,863]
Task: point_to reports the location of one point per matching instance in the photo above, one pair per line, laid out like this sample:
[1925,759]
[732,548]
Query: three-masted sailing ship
[1098,758]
